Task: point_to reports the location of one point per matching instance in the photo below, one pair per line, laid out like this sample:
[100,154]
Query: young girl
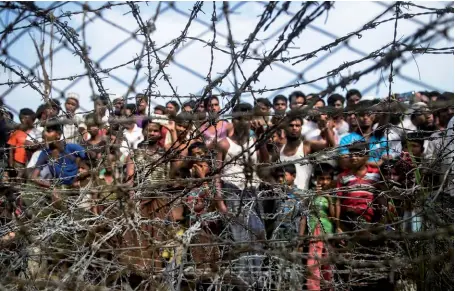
[319,222]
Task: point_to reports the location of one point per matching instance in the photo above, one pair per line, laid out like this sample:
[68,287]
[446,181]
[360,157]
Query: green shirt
[319,213]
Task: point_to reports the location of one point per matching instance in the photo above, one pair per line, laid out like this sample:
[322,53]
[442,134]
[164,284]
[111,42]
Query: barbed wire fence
[68,249]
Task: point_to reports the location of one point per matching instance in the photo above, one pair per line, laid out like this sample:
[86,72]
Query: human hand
[199,171]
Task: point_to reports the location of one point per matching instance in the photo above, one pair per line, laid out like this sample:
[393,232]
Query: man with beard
[377,142]
[295,150]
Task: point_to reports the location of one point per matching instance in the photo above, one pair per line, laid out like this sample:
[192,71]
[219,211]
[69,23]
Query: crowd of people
[289,173]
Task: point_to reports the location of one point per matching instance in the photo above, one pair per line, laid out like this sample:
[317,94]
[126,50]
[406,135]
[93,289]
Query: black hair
[288,168]
[54,127]
[359,147]
[353,92]
[242,107]
[26,112]
[141,96]
[364,106]
[297,94]
[160,107]
[280,97]
[175,104]
[334,98]
[293,117]
[315,100]
[55,103]
[264,101]
[312,96]
[40,110]
[103,98]
[184,118]
[434,93]
[197,144]
[131,107]
[323,169]
[415,136]
[190,103]
[208,99]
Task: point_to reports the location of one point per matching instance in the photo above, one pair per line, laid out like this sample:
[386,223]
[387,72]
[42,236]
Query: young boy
[357,202]
[319,221]
[18,155]
[290,219]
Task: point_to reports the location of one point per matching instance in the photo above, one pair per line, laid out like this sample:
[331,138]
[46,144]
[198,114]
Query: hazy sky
[192,61]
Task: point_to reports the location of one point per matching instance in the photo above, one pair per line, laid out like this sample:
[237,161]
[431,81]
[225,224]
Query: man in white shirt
[132,134]
[71,130]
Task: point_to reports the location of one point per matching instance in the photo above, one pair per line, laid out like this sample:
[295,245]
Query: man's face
[354,99]
[171,109]
[201,108]
[197,152]
[297,102]
[445,115]
[100,108]
[51,135]
[338,104]
[366,119]
[26,120]
[280,106]
[153,132]
[141,105]
[262,108]
[214,106]
[294,129]
[71,105]
[351,119]
[187,108]
[118,105]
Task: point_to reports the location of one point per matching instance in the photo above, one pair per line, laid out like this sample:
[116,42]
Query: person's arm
[331,207]
[38,181]
[328,133]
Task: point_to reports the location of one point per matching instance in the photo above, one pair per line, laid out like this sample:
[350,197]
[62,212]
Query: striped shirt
[357,193]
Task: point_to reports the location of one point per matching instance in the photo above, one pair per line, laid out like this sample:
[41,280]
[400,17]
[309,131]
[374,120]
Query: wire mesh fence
[202,200]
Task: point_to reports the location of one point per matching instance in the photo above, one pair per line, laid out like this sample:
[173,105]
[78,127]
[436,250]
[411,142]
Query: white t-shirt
[131,139]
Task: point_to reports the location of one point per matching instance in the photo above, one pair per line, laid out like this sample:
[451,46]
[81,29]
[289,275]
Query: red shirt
[357,193]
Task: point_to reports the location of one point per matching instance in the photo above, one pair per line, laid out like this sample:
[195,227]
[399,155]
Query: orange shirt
[17,140]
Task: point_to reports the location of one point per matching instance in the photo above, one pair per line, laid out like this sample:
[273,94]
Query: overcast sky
[192,60]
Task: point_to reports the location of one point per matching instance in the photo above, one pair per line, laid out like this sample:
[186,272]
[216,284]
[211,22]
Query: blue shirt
[378,147]
[64,167]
